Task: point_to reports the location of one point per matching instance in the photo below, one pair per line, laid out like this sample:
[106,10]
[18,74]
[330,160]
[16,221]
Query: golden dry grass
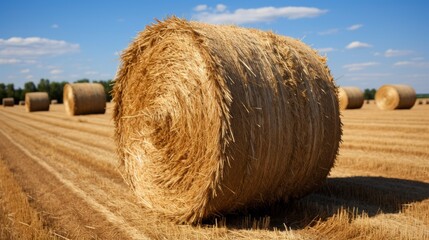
[66,168]
[18,220]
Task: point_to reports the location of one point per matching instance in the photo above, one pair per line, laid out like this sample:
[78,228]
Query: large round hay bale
[395,96]
[84,98]
[8,102]
[210,119]
[350,97]
[36,101]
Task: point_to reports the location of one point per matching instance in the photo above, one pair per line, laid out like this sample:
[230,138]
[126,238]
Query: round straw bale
[210,119]
[427,101]
[54,101]
[350,97]
[395,96]
[22,102]
[8,102]
[84,98]
[36,101]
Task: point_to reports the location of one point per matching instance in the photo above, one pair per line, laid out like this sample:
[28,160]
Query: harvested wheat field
[59,179]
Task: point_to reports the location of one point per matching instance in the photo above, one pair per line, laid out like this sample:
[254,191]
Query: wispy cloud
[357,44]
[329,31]
[366,76]
[25,70]
[359,66]
[29,77]
[9,61]
[201,7]
[418,64]
[56,71]
[354,27]
[220,8]
[325,50]
[35,46]
[397,53]
[55,26]
[253,15]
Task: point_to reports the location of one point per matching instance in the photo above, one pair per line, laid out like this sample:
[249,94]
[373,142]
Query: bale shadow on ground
[364,195]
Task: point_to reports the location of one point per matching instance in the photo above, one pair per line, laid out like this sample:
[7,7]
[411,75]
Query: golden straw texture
[36,101]
[350,97]
[22,102]
[210,119]
[395,96]
[8,102]
[84,98]
[54,101]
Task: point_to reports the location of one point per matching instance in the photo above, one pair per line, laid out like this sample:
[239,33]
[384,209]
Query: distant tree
[18,95]
[29,87]
[56,91]
[43,85]
[10,90]
[369,94]
[3,93]
[84,80]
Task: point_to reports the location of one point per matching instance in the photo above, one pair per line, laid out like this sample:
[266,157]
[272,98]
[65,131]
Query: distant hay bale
[54,101]
[420,102]
[395,96]
[84,98]
[368,101]
[210,119]
[427,101]
[22,102]
[350,97]
[36,101]
[8,102]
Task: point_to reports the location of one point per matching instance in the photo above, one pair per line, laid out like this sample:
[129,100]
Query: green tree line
[54,89]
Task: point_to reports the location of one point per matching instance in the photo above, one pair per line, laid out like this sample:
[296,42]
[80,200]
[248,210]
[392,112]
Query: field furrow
[67,167]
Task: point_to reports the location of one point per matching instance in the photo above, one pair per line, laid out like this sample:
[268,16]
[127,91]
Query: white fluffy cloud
[200,8]
[253,15]
[357,44]
[354,27]
[34,47]
[220,8]
[359,66]
[397,53]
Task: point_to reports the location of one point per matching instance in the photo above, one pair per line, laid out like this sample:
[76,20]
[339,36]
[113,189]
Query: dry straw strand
[8,102]
[395,96]
[36,101]
[84,98]
[350,97]
[210,119]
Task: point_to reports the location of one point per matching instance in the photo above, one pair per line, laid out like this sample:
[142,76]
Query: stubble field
[59,179]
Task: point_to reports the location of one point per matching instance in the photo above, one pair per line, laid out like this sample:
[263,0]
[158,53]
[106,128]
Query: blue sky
[368,43]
